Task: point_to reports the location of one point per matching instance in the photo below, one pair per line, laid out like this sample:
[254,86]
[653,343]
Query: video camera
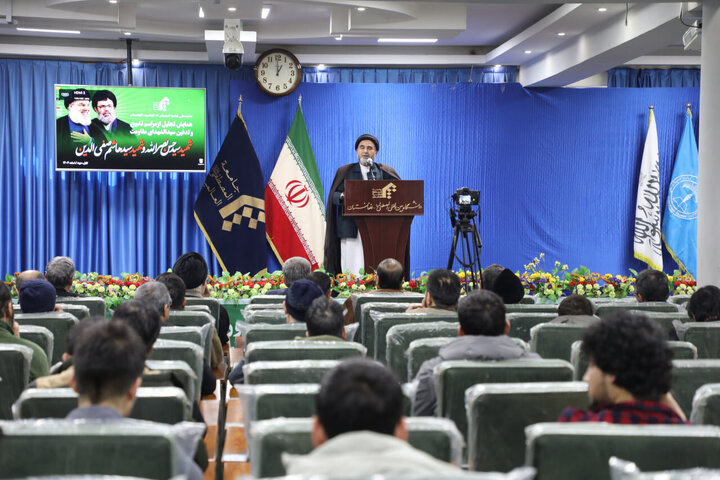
[465,196]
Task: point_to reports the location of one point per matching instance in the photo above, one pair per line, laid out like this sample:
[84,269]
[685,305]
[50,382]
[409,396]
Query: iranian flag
[294,207]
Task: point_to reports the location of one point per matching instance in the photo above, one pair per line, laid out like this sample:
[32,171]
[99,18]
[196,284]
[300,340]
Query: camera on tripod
[464,222]
[465,198]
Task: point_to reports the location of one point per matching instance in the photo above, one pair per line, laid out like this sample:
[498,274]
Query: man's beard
[107,119]
[366,161]
[79,117]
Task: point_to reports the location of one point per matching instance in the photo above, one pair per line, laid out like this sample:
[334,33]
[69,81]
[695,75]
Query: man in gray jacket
[482,336]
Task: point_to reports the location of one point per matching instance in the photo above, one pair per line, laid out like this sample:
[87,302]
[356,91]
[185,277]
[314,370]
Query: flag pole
[688,109]
[239,105]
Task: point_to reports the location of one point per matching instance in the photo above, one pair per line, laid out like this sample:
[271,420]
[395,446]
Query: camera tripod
[465,231]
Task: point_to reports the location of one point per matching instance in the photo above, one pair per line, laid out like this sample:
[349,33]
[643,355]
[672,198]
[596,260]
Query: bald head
[390,274]
[27,275]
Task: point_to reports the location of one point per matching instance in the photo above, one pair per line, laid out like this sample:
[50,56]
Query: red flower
[412,284]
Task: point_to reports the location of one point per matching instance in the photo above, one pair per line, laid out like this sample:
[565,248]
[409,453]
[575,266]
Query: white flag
[647,239]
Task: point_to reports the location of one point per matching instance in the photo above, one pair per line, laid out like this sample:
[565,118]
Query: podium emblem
[384,192]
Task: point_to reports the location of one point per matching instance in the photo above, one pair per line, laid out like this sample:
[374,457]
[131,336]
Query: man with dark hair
[107,127]
[109,361]
[651,286]
[142,318]
[482,336]
[442,292]
[575,310]
[704,304]
[323,281]
[37,296]
[193,270]
[629,373]
[298,299]
[176,288]
[389,278]
[359,428]
[324,320]
[10,334]
[60,271]
[294,269]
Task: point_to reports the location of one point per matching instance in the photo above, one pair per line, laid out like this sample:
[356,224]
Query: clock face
[278,72]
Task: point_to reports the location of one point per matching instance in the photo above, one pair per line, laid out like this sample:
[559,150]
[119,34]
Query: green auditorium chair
[264,333]
[399,337]
[170,373]
[60,447]
[283,350]
[368,307]
[624,470]
[266,299]
[264,402]
[156,404]
[553,340]
[679,299]
[182,351]
[498,413]
[522,322]
[706,405]
[383,297]
[582,450]
[79,311]
[14,375]
[191,318]
[604,309]
[666,320]
[292,371]
[381,322]
[200,336]
[39,336]
[689,376]
[213,304]
[267,316]
[531,308]
[59,323]
[453,377]
[95,305]
[704,335]
[271,438]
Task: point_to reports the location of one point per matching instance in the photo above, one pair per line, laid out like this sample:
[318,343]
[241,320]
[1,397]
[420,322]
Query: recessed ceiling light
[602,9]
[407,40]
[265,12]
[338,37]
[48,30]
[321,66]
[127,34]
[136,62]
[232,9]
[201,13]
[361,9]
[561,34]
[113,1]
[528,51]
[498,66]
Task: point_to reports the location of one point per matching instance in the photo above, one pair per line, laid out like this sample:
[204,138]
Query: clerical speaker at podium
[380,219]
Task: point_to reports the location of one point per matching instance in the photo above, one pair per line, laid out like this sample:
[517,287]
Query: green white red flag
[294,207]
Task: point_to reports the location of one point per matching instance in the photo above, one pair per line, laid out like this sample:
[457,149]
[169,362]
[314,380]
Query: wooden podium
[383,211]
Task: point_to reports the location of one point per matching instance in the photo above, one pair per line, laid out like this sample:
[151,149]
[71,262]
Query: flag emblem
[682,197]
[297,193]
[249,206]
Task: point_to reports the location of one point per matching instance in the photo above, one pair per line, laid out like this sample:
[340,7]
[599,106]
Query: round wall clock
[278,72]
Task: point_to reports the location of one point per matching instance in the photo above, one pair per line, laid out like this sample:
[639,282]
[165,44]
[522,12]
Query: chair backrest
[80,311]
[190,318]
[704,335]
[706,405]
[499,412]
[14,375]
[582,450]
[270,438]
[95,305]
[171,373]
[380,297]
[265,402]
[213,305]
[452,378]
[522,322]
[272,316]
[200,336]
[293,371]
[380,322]
[643,306]
[399,337]
[56,447]
[156,404]
[283,350]
[367,307]
[679,299]
[666,319]
[531,308]
[184,351]
[266,299]
[552,340]
[40,336]
[265,333]
[689,375]
[59,323]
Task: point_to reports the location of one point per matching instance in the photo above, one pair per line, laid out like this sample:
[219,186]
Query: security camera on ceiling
[232,48]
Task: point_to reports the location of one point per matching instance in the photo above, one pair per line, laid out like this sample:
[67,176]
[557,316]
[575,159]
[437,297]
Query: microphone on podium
[369,164]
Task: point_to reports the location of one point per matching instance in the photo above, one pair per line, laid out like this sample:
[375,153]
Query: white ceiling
[468,33]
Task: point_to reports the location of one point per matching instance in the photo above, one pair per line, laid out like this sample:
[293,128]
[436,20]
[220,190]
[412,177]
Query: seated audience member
[176,289]
[294,269]
[389,279]
[323,281]
[142,318]
[10,334]
[60,271]
[26,275]
[324,320]
[298,299]
[109,362]
[651,286]
[62,372]
[442,292]
[489,274]
[37,296]
[359,429]
[704,304]
[575,310]
[482,336]
[156,296]
[629,373]
[193,270]
[508,286]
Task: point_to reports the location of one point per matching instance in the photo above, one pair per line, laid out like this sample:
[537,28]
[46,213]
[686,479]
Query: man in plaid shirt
[629,373]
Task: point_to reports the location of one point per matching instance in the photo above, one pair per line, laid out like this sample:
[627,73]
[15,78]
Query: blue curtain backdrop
[557,167]
[654,77]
